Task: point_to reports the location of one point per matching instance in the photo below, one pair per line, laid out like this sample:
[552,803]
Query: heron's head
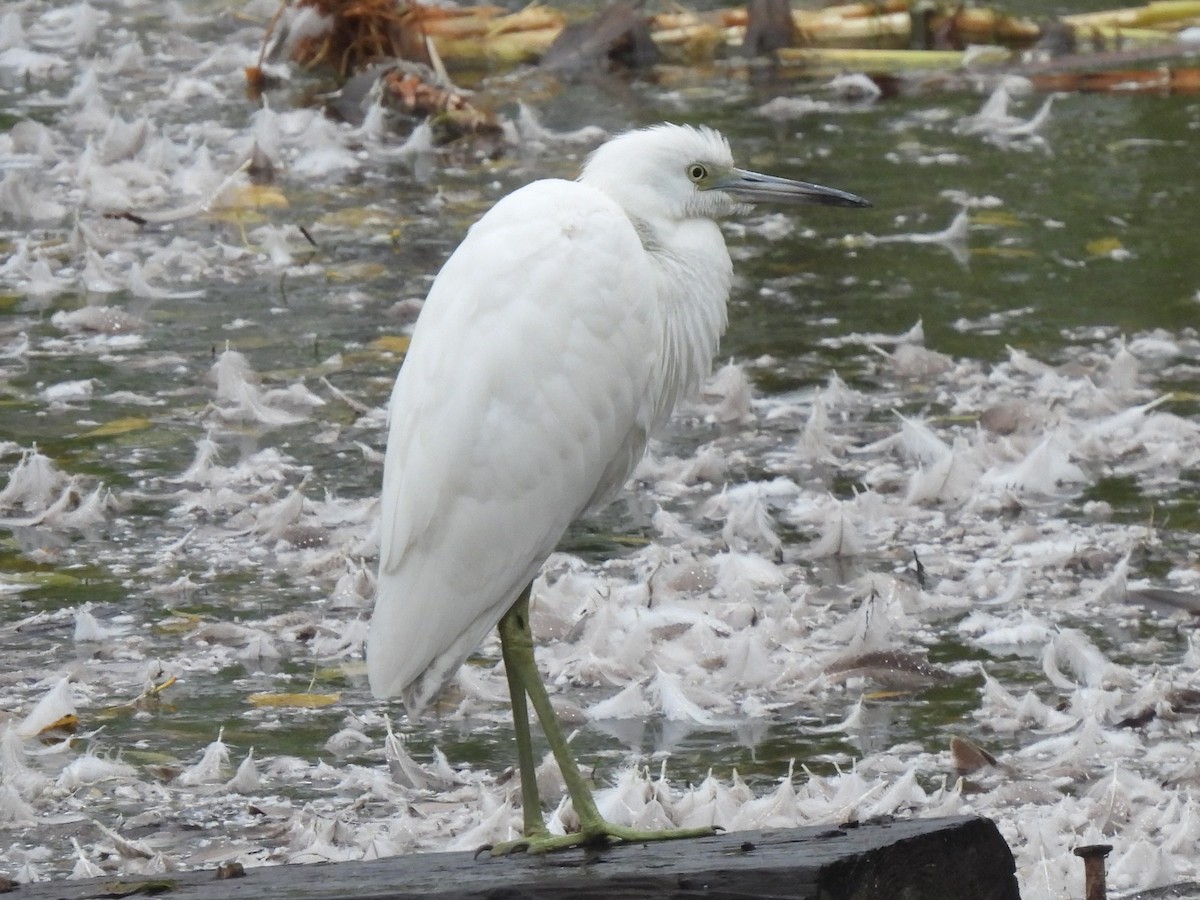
[678,172]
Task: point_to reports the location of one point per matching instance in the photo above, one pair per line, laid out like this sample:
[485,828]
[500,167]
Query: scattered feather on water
[968,758]
[893,669]
[55,705]
[953,237]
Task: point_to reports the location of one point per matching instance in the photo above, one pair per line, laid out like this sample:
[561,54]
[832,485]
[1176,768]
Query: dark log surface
[915,859]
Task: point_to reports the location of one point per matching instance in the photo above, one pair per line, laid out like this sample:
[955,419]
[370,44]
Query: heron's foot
[600,834]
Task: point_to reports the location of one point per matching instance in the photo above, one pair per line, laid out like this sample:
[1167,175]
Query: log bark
[917,859]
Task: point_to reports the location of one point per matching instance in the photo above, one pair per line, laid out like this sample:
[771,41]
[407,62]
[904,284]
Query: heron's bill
[754,187]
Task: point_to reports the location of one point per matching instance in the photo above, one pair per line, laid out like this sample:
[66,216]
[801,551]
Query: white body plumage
[556,338]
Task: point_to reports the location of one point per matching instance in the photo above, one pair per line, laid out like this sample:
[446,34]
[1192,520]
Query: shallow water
[248,572]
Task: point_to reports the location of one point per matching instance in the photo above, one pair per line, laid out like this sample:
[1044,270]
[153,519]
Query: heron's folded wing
[523,398]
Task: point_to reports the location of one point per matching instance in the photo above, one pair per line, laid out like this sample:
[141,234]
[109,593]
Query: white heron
[555,340]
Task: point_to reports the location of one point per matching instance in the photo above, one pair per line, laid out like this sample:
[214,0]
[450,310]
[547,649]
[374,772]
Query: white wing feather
[523,399]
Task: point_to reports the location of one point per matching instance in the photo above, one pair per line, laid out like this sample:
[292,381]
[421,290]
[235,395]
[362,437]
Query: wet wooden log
[919,859]
[619,35]
[769,27]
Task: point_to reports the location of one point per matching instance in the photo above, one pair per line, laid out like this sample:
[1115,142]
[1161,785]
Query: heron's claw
[505,849]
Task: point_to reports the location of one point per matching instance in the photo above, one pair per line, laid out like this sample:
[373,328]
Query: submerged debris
[893,37]
[350,35]
[618,35]
[892,669]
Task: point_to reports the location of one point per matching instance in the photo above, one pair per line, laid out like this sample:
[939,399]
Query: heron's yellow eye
[697,172]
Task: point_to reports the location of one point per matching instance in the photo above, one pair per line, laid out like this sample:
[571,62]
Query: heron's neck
[694,274]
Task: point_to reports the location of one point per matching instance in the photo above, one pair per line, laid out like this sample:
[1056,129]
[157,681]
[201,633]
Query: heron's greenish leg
[531,804]
[523,679]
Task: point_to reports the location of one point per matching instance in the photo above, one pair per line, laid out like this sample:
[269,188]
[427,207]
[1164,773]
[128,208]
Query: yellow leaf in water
[999,217]
[119,426]
[354,217]
[152,692]
[146,757]
[255,196]
[630,540]
[39,579]
[357,272]
[391,343]
[1004,252]
[300,701]
[179,623]
[68,723]
[240,216]
[325,674]
[1103,246]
